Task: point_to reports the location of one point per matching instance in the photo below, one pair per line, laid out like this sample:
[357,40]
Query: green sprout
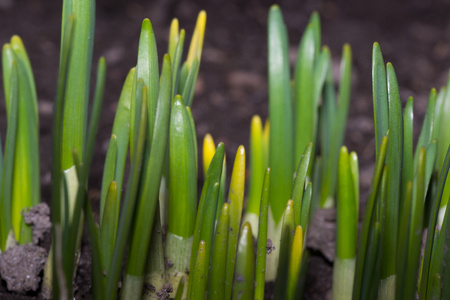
[217,245]
[20,165]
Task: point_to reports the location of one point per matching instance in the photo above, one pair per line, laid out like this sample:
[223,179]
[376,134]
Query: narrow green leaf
[189,84]
[108,229]
[180,288]
[281,155]
[96,110]
[82,172]
[261,247]
[437,113]
[209,150]
[66,47]
[212,176]
[78,77]
[222,193]
[444,141]
[385,286]
[219,256]
[299,182]
[155,266]
[196,46]
[59,284]
[194,136]
[346,214]
[182,190]
[437,259]
[236,200]
[321,69]
[355,176]
[182,173]
[151,177]
[346,229]
[195,53]
[395,151]
[21,53]
[257,166]
[206,214]
[305,212]
[408,163]
[199,273]
[363,243]
[108,173]
[176,61]
[147,69]
[266,142]
[182,77]
[430,161]
[130,198]
[435,292]
[369,282]
[98,256]
[243,287]
[206,232]
[299,292]
[315,22]
[25,190]
[416,227]
[344,93]
[446,256]
[428,126]
[329,145]
[304,106]
[380,95]
[287,237]
[81,200]
[443,135]
[5,200]
[403,240]
[295,263]
[7,58]
[174,37]
[430,241]
[116,158]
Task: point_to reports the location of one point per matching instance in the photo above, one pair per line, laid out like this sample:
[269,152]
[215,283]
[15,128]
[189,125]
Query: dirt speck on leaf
[149,288]
[167,263]
[20,267]
[165,291]
[269,246]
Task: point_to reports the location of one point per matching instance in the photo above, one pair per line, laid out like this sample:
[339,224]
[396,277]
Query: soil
[232,85]
[20,267]
[39,219]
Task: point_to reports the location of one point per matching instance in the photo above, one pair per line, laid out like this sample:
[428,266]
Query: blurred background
[232,84]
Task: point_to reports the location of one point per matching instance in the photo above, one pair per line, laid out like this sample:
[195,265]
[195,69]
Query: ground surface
[232,87]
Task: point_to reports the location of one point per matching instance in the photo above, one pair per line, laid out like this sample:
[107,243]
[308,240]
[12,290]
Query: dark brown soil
[20,267]
[414,36]
[39,219]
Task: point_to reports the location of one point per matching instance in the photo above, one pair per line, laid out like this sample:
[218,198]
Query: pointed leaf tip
[274,7]
[241,150]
